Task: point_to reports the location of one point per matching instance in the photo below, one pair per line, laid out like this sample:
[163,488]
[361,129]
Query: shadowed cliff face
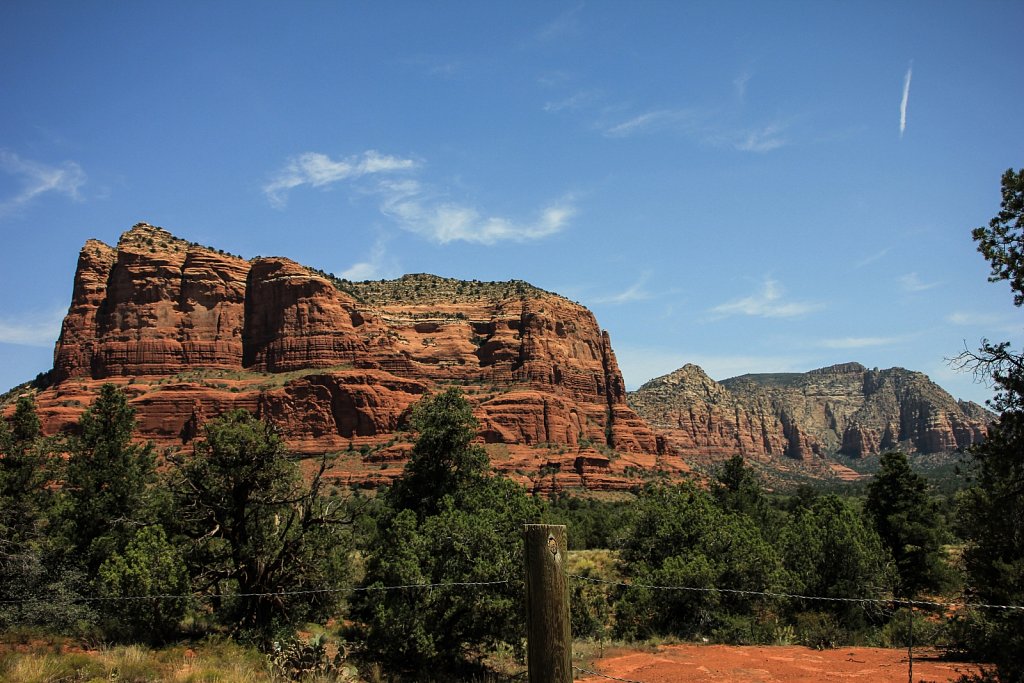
[191,332]
[845,409]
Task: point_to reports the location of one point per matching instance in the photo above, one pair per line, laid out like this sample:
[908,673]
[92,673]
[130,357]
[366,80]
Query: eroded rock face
[844,409]
[701,417]
[191,333]
[155,305]
[295,319]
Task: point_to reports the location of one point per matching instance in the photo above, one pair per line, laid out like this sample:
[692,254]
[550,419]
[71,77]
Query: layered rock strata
[843,409]
[192,332]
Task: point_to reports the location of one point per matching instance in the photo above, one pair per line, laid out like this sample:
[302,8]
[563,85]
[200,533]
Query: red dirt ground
[769,664]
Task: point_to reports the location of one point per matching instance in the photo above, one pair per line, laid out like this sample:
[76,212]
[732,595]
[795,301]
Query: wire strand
[736,591]
[207,596]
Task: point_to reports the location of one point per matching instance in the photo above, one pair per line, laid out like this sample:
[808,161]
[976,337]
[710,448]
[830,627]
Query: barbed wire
[795,596]
[228,596]
[472,584]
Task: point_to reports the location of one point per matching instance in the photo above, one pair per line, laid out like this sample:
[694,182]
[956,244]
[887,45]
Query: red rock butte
[192,332]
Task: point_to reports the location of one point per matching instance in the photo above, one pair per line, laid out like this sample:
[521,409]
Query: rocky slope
[191,332]
[845,409]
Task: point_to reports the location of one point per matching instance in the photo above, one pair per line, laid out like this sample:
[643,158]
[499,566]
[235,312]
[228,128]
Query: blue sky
[752,187]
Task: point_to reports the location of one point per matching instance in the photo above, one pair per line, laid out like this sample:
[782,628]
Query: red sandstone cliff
[153,306]
[191,332]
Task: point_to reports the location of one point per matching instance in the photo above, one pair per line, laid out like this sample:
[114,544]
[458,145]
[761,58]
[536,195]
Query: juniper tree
[107,484]
[258,529]
[449,522]
[25,505]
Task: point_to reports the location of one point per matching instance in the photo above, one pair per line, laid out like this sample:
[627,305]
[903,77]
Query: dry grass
[213,662]
[597,563]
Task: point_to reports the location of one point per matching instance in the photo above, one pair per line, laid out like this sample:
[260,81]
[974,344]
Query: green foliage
[1002,242]
[591,523]
[820,630]
[680,537]
[830,551]
[590,613]
[297,660]
[25,421]
[914,627]
[460,526]
[149,569]
[107,482]
[26,538]
[738,490]
[257,527]
[992,524]
[24,475]
[908,523]
[444,460]
[468,540]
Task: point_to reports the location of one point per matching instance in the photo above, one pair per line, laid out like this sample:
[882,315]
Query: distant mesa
[842,409]
[191,332]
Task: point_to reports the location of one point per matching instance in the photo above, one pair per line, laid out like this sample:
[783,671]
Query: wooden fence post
[548,636]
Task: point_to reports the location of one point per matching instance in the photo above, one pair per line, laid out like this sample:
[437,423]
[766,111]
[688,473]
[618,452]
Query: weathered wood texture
[549,639]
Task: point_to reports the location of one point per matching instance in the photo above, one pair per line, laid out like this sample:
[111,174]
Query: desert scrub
[47,661]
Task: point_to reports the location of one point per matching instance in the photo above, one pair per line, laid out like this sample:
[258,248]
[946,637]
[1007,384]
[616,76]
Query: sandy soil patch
[770,664]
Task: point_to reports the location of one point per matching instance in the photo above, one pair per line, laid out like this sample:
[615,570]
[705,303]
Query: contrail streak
[906,98]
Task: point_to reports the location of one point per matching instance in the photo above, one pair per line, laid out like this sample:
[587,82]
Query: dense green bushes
[446,521]
[115,549]
[256,529]
[730,548]
[680,537]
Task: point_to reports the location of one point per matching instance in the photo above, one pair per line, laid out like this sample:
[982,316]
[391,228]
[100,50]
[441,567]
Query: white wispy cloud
[437,66]
[767,302]
[37,178]
[702,126]
[867,260]
[319,170]
[41,329]
[985,323]
[575,101]
[415,206]
[740,85]
[554,78]
[417,209]
[651,120]
[858,342]
[905,99]
[565,24]
[911,282]
[375,267]
[972,318]
[635,292]
[763,139]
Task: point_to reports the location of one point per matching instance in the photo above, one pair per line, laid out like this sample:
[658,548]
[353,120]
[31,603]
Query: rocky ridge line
[842,409]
